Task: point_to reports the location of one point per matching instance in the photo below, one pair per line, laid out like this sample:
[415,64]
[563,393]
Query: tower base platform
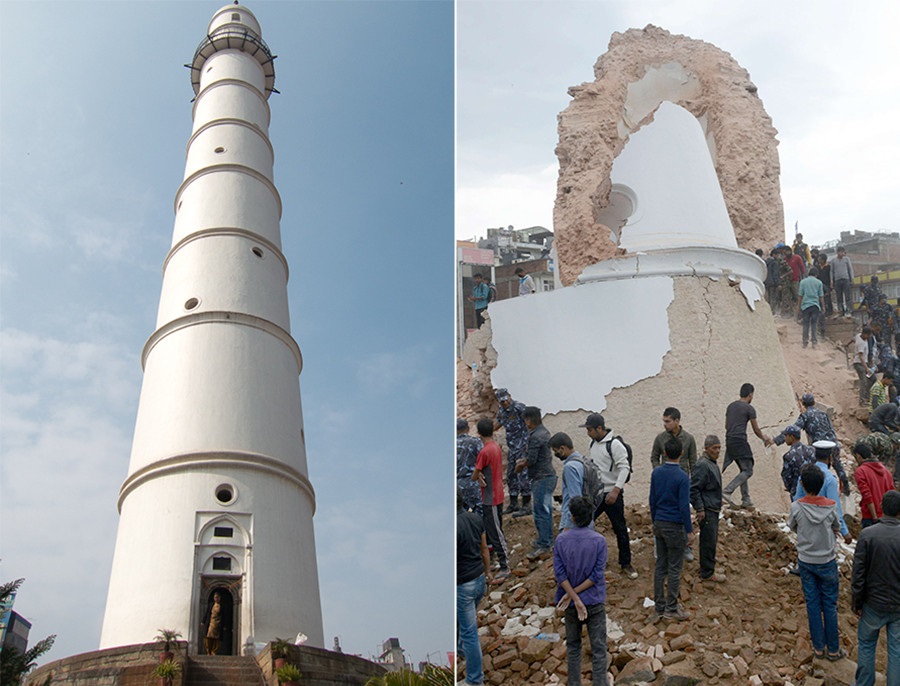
[134,665]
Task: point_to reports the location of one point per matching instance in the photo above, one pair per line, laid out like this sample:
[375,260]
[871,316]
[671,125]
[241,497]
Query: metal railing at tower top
[234,37]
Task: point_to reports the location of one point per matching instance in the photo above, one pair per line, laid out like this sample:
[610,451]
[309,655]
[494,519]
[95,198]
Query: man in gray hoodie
[815,520]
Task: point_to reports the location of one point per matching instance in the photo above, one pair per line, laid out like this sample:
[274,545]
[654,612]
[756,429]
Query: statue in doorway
[214,626]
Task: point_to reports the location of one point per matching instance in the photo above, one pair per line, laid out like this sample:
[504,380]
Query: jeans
[842,295]
[616,514]
[596,626]
[745,464]
[820,590]
[810,321]
[709,537]
[670,543]
[542,507]
[468,595]
[867,633]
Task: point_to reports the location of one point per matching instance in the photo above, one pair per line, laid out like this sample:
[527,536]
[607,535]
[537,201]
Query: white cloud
[519,199]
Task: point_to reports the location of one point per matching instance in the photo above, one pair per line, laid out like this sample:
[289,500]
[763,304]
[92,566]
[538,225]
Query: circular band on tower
[234,37]
[229,231]
[222,317]
[241,169]
[206,460]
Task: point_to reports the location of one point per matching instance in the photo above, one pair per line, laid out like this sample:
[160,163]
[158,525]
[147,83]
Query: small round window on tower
[219,150]
[191,303]
[258,252]
[225,493]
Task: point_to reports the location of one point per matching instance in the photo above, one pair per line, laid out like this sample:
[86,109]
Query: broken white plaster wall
[714,343]
[551,345]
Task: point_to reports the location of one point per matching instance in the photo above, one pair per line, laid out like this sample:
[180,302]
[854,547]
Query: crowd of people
[686,490]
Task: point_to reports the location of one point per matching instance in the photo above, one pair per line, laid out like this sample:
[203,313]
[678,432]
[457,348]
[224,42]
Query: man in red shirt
[489,475]
[873,480]
[798,271]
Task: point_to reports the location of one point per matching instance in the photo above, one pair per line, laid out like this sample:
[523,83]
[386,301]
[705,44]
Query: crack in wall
[706,283]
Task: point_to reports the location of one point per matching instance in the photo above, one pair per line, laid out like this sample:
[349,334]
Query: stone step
[214,670]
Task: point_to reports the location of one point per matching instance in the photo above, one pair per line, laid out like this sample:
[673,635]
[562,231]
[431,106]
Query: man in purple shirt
[579,561]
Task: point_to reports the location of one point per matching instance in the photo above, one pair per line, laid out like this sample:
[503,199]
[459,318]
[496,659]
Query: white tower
[217,495]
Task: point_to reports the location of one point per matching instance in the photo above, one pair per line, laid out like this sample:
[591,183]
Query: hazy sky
[826,74]
[95,114]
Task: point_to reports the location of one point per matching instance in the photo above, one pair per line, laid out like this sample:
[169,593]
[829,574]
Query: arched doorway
[229,602]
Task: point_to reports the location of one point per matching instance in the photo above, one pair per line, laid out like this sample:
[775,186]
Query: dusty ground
[751,629]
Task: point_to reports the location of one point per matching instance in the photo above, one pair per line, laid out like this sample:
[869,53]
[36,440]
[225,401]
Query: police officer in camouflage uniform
[467,449]
[881,318]
[887,450]
[871,293]
[818,427]
[510,417]
[784,291]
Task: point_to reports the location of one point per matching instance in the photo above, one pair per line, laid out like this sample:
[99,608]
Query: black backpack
[627,450]
[591,487]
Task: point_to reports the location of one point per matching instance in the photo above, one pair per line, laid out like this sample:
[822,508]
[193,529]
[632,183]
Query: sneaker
[727,498]
[630,572]
[537,553]
[748,505]
[718,578]
[501,576]
[678,615]
[688,555]
[521,513]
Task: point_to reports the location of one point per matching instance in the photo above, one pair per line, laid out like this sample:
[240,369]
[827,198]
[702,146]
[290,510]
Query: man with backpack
[579,476]
[612,456]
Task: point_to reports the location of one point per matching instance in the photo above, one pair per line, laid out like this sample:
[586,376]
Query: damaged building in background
[669,179]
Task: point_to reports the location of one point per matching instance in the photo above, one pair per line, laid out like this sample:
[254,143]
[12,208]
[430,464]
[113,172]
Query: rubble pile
[751,629]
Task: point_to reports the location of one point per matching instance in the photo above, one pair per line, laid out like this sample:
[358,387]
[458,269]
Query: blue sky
[95,114]
[825,72]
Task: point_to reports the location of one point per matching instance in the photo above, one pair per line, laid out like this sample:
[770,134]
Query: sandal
[834,657]
[819,654]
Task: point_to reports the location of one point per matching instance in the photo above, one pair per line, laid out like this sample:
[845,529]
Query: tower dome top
[234,14]
[234,27]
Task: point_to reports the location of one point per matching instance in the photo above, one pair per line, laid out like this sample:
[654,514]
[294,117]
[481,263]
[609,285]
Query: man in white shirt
[526,283]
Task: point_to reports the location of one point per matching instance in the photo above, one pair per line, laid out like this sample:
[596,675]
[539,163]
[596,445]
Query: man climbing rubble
[737,447]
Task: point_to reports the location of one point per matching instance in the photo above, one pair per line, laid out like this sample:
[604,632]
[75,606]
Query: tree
[14,664]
